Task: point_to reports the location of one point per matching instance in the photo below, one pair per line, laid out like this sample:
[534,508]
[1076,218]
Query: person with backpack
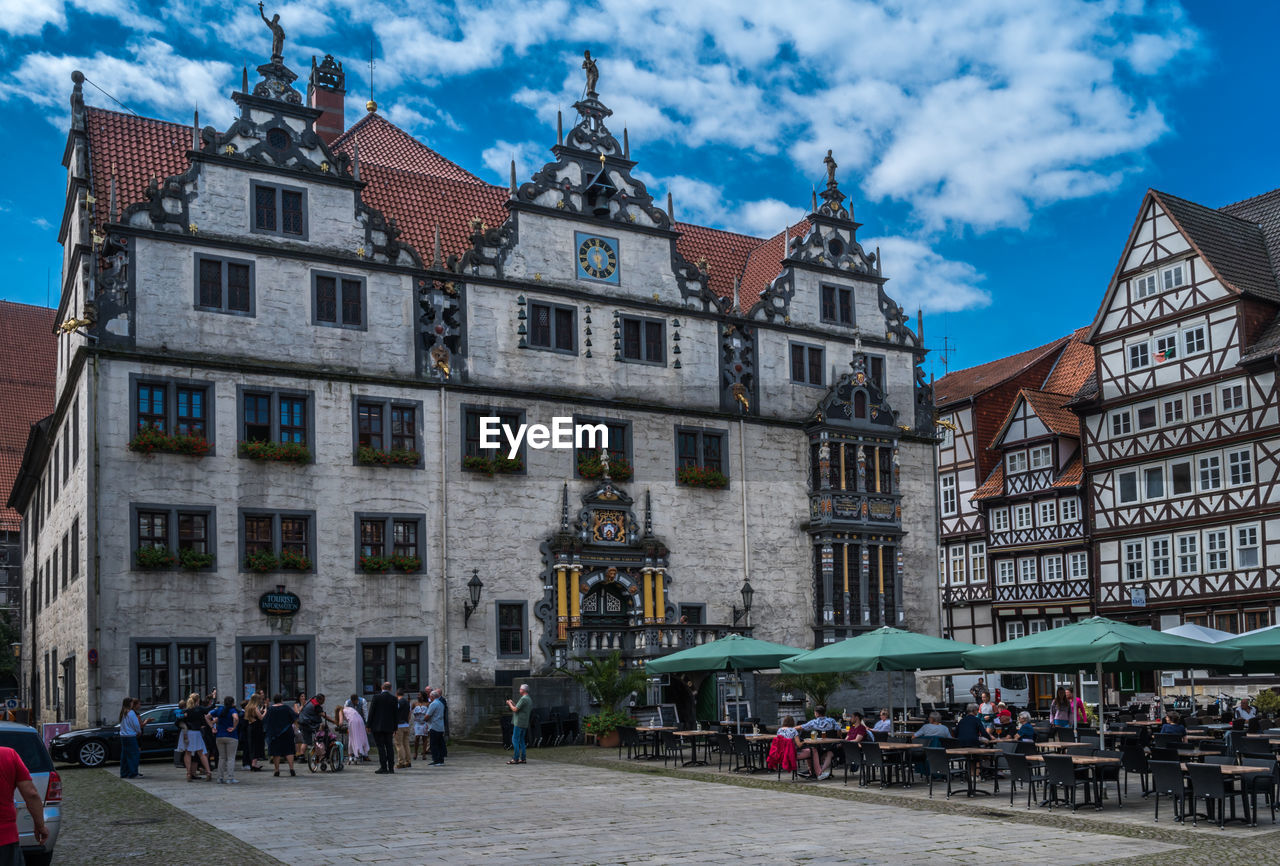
[226,734]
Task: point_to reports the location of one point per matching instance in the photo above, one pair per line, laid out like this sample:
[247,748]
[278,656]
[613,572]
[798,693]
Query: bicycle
[327,755]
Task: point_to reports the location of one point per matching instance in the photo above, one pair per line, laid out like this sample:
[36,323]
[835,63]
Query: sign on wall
[279,603]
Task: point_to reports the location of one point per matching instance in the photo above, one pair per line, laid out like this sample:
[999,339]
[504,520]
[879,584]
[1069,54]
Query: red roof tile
[993,486]
[1049,408]
[726,254]
[1074,365]
[972,381]
[1073,475]
[383,143]
[135,148]
[28,369]
[765,262]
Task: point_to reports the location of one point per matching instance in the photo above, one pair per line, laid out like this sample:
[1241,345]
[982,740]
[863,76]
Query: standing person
[1060,709]
[277,728]
[444,741]
[520,711]
[251,739]
[977,689]
[357,735]
[403,711]
[1077,707]
[226,733]
[196,757]
[382,724]
[299,745]
[435,729]
[130,730]
[419,713]
[14,776]
[208,704]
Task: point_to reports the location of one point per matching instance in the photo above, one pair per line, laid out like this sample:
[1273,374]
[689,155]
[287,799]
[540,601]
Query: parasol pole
[1102,702]
[888,691]
[1075,718]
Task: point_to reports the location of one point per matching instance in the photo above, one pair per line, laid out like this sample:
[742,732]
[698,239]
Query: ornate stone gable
[856,400]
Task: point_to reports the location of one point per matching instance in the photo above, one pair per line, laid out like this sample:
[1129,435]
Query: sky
[996,151]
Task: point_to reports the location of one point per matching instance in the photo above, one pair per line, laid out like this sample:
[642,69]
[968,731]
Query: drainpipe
[93,589]
[444,547]
[742,471]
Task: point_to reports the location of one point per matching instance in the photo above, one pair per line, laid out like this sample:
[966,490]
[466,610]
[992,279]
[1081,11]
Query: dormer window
[1015,462]
[1041,457]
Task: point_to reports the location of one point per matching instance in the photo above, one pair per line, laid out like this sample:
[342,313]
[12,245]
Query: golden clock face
[597,258]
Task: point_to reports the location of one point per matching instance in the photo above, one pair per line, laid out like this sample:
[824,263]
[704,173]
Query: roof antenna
[371,106]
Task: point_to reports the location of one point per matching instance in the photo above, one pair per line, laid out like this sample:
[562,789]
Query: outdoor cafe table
[652,732]
[1252,806]
[973,756]
[693,745]
[1060,746]
[1092,763]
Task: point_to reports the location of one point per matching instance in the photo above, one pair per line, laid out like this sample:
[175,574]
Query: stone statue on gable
[593,74]
[277,35]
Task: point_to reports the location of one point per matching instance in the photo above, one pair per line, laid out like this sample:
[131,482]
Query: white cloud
[41,222]
[529,156]
[920,278]
[702,203]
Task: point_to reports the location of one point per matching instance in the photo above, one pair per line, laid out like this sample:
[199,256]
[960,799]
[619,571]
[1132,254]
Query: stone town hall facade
[281,340]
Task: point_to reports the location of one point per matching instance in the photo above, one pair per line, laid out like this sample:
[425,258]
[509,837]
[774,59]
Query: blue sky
[997,150]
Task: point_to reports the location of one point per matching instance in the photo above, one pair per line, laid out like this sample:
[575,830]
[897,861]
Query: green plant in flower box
[473,463]
[157,556]
[375,564]
[401,562]
[697,476]
[262,561]
[590,466]
[281,452]
[194,559]
[368,456]
[149,440]
[295,560]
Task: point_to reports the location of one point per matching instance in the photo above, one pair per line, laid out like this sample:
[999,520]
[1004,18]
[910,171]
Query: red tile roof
[726,254]
[28,369]
[135,148]
[993,486]
[1073,475]
[383,143]
[971,382]
[765,262]
[1049,408]
[1073,367]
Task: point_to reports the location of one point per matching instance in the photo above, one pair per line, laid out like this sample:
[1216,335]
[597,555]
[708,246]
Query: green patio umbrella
[1261,649]
[885,649]
[734,652]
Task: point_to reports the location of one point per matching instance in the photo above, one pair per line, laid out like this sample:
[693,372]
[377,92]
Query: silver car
[30,748]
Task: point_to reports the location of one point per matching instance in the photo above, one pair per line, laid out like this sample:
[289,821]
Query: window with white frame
[1015,462]
[1078,565]
[1240,466]
[1216,550]
[1053,567]
[1232,397]
[1014,629]
[950,501]
[1166,348]
[1069,509]
[1153,482]
[1188,554]
[1146,416]
[1060,621]
[1193,340]
[1027,570]
[1180,477]
[1022,517]
[978,562]
[1041,457]
[1145,286]
[1127,486]
[1121,423]
[1004,572]
[1134,560]
[1036,626]
[1210,470]
[1247,546]
[957,564]
[1048,512]
[1202,404]
[1172,411]
[1159,558]
[1172,277]
[999,520]
[942,566]
[1139,355]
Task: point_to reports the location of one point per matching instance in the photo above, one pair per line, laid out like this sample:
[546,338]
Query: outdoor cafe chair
[672,747]
[874,765]
[1167,781]
[1022,773]
[1160,753]
[1208,784]
[942,765]
[1166,741]
[1096,742]
[1109,773]
[1133,759]
[1220,760]
[720,743]
[628,738]
[1255,747]
[743,756]
[1060,773]
[852,760]
[1267,783]
[780,749]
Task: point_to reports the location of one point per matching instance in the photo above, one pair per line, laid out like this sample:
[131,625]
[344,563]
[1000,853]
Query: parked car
[27,743]
[93,747]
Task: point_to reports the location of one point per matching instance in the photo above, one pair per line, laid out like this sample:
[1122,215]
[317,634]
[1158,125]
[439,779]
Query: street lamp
[16,646]
[474,585]
[747,594]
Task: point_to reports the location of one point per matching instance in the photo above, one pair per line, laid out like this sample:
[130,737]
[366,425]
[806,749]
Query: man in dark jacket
[382,724]
[403,710]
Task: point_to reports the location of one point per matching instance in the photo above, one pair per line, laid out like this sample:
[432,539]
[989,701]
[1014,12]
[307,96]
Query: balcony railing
[833,507]
[645,641]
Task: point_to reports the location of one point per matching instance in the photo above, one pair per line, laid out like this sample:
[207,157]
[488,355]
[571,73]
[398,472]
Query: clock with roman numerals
[597,257]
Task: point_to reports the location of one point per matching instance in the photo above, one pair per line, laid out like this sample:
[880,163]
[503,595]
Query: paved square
[477,809]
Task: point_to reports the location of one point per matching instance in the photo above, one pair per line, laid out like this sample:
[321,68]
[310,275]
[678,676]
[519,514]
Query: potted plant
[375,564]
[474,463]
[608,682]
[294,560]
[697,476]
[281,452]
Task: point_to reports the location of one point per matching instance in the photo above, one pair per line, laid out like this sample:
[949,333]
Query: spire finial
[564,508]
[626,144]
[244,79]
[436,260]
[513,178]
[559,127]
[648,514]
[355,158]
[671,211]
[814,209]
[195,130]
[737,303]
[371,106]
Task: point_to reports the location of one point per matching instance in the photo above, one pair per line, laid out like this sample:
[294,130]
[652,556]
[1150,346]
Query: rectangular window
[1146,416]
[153,529]
[408,671]
[66,559]
[1134,560]
[643,340]
[293,419]
[978,562]
[1145,286]
[1172,411]
[1232,397]
[224,286]
[1166,348]
[373,540]
[1027,570]
[511,629]
[396,535]
[807,364]
[278,211]
[257,417]
[1216,551]
[75,550]
[957,564]
[1180,477]
[1070,508]
[1128,487]
[1121,423]
[1060,621]
[471,433]
[1015,462]
[1160,556]
[837,305]
[1048,515]
[193,669]
[950,502]
[1036,626]
[255,665]
[1053,568]
[190,420]
[1210,467]
[1247,546]
[703,449]
[691,614]
[151,407]
[293,667]
[284,417]
[294,532]
[1153,482]
[1139,355]
[1022,517]
[1193,340]
[999,520]
[1041,457]
[382,425]
[1227,622]
[153,673]
[404,538]
[337,300]
[1256,619]
[1240,466]
[174,529]
[1078,565]
[1172,277]
[404,425]
[284,534]
[193,531]
[369,425]
[1004,572]
[553,327]
[259,534]
[1014,629]
[1202,404]
[1188,554]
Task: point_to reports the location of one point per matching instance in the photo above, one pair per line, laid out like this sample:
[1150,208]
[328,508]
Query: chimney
[326,90]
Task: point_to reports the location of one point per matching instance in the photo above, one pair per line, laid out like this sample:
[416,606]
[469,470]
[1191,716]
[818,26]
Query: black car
[93,747]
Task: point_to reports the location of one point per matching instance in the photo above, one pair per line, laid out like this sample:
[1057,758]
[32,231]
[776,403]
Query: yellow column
[647,594]
[659,593]
[875,455]
[845,548]
[575,596]
[842,466]
[562,603]
[880,569]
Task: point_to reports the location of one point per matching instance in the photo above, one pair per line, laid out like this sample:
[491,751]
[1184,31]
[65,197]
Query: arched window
[860,404]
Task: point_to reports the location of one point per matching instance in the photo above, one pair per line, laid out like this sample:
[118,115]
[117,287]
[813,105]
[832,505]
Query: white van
[1013,689]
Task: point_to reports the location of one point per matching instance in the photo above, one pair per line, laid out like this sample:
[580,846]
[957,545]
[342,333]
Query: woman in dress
[252,740]
[278,728]
[299,747]
[419,713]
[357,734]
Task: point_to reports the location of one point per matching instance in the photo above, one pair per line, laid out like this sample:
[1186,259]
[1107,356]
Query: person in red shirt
[14,775]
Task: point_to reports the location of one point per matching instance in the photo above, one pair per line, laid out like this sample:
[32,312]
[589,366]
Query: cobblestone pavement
[105,820]
[570,806]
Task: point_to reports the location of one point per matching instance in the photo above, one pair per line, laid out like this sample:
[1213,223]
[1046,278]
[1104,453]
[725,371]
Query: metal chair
[1109,773]
[1220,760]
[852,760]
[1267,784]
[1167,781]
[1133,759]
[1060,772]
[671,746]
[743,756]
[941,764]
[1208,784]
[721,744]
[1020,772]
[628,738]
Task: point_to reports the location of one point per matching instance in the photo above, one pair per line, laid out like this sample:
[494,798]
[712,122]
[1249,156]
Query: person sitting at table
[821,722]
[986,709]
[858,732]
[1245,712]
[1173,725]
[932,730]
[885,725]
[809,753]
[1026,731]
[969,730]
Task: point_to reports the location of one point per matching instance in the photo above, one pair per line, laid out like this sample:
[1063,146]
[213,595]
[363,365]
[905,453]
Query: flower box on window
[149,440]
[367,456]
[193,560]
[589,466]
[697,476]
[262,561]
[490,465]
[156,557]
[283,452]
[294,560]
[396,561]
